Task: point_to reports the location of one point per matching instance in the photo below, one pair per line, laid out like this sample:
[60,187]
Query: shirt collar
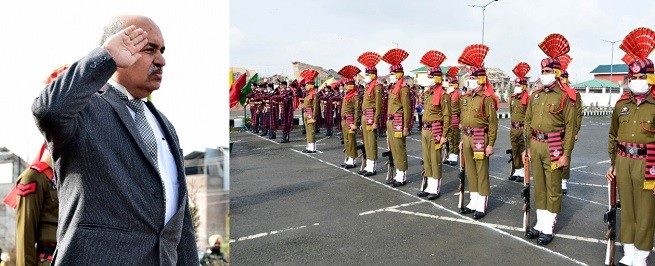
[122,89]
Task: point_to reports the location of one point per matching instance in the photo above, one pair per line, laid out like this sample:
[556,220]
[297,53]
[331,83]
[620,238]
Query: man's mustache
[154,69]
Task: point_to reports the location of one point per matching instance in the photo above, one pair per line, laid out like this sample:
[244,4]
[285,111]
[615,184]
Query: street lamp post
[483,8]
[609,101]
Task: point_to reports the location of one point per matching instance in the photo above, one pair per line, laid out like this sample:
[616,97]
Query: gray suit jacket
[112,207]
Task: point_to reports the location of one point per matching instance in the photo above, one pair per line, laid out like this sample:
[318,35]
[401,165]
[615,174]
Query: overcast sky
[39,36]
[268,35]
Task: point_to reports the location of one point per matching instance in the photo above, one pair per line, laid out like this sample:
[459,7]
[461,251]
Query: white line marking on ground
[579,167]
[451,211]
[495,227]
[262,137]
[269,233]
[588,173]
[322,139]
[585,200]
[608,161]
[588,184]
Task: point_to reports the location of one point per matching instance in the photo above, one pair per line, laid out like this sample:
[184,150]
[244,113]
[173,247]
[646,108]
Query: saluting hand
[125,45]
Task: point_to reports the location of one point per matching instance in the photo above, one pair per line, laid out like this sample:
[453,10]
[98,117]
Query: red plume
[452,71]
[369,59]
[473,55]
[521,69]
[639,43]
[564,61]
[395,56]
[555,45]
[433,58]
[309,75]
[628,59]
[349,71]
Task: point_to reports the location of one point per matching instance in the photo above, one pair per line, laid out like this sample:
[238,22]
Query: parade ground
[292,208]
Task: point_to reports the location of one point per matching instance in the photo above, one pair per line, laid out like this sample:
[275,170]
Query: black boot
[532,233]
[285,138]
[328,132]
[544,239]
[271,135]
[264,133]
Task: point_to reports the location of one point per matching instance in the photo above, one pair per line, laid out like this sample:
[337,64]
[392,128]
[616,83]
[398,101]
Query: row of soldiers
[544,125]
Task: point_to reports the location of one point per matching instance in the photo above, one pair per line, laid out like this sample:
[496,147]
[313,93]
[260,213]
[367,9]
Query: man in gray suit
[118,162]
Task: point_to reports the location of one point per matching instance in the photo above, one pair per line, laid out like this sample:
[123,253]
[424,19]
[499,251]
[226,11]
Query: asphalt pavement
[291,208]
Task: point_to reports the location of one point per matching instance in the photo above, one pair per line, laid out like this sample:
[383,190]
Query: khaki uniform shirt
[630,123]
[351,107]
[373,100]
[399,104]
[545,114]
[36,215]
[471,115]
[437,113]
[516,109]
[313,103]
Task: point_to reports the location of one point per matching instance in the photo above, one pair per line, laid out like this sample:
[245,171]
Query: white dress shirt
[165,161]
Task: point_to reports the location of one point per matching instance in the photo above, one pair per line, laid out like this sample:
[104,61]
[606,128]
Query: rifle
[390,166]
[610,219]
[526,196]
[362,157]
[462,180]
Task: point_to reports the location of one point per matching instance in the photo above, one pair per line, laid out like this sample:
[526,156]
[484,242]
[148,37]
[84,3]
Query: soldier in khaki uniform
[371,110]
[435,125]
[479,124]
[350,114]
[564,61]
[517,107]
[631,150]
[399,114]
[310,107]
[455,108]
[550,121]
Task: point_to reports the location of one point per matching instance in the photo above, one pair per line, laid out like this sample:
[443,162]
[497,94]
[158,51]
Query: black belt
[429,124]
[469,131]
[632,150]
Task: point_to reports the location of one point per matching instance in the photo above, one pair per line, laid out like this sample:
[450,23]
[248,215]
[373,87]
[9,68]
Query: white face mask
[518,89]
[472,84]
[450,89]
[367,79]
[639,86]
[393,78]
[445,84]
[431,82]
[547,79]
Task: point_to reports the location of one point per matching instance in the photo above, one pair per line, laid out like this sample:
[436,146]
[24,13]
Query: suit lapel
[124,115]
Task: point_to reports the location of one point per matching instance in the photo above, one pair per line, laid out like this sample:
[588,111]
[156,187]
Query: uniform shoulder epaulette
[43,167]
[625,96]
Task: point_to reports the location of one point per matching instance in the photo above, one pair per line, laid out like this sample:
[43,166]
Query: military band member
[327,106]
[286,110]
[632,147]
[550,121]
[517,107]
[564,61]
[435,126]
[413,101]
[265,108]
[350,115]
[382,129]
[275,100]
[479,124]
[371,110]
[310,107]
[399,114]
[455,110]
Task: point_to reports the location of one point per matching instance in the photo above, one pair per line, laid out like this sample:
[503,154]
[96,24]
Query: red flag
[235,91]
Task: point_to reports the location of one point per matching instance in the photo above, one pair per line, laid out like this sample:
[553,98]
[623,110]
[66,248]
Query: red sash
[454,121]
[309,113]
[369,114]
[350,120]
[635,151]
[555,148]
[437,130]
[478,142]
[398,125]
